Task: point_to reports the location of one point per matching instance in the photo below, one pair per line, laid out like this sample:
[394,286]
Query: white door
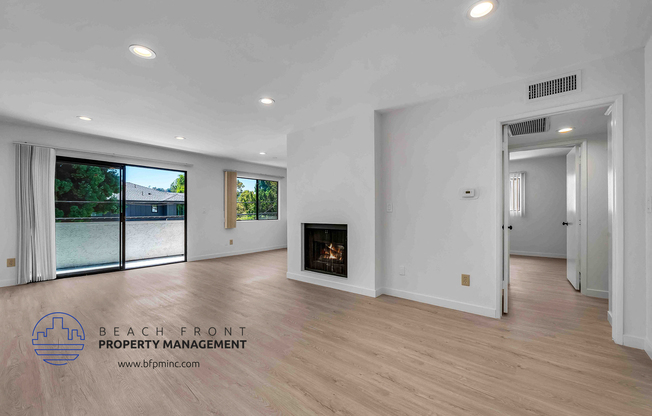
[506,226]
[572,222]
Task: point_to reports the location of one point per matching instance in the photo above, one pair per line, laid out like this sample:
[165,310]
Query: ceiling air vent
[538,125]
[564,84]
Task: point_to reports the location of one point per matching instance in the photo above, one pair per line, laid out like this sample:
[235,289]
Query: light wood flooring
[317,351]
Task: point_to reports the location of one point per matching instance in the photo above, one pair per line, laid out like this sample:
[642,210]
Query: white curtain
[35,206]
[517,194]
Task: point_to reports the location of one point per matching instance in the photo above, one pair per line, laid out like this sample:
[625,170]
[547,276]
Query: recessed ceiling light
[179,137]
[266,101]
[142,51]
[565,130]
[262,153]
[482,9]
[84,118]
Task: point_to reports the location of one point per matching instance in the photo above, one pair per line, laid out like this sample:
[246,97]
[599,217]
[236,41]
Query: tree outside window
[257,199]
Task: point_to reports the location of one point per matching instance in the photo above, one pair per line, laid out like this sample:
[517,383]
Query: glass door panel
[155,216]
[87,210]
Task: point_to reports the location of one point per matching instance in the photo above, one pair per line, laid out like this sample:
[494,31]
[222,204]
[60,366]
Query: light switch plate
[401,270]
[390,208]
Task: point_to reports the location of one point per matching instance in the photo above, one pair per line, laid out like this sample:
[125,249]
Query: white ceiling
[65,58]
[532,154]
[589,122]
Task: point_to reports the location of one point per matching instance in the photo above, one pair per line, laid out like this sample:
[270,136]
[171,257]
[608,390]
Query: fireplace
[324,248]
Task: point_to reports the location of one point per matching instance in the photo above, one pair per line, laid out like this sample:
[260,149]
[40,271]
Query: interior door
[572,222]
[506,226]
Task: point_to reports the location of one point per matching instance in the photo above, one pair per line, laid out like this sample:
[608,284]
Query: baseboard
[603,294]
[445,303]
[609,318]
[648,347]
[634,342]
[7,282]
[307,278]
[533,254]
[234,253]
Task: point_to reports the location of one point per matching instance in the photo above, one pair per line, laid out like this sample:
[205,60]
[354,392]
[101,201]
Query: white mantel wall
[331,179]
[207,237]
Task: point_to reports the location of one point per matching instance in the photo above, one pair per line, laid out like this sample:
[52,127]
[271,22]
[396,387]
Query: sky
[249,184]
[154,178]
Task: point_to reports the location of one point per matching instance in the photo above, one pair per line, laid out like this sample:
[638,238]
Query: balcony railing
[117,218]
[95,241]
[261,216]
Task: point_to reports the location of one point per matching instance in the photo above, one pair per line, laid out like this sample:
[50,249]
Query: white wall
[207,237]
[539,232]
[331,180]
[432,150]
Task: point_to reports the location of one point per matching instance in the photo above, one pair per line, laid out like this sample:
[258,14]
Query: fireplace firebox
[325,248]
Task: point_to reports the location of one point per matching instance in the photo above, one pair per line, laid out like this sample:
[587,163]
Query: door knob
[564,223]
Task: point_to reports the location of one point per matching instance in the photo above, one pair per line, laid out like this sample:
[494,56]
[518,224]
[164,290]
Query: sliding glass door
[88,201]
[117,216]
[155,214]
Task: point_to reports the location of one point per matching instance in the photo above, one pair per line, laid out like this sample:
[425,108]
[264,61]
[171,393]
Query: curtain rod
[255,174]
[107,154]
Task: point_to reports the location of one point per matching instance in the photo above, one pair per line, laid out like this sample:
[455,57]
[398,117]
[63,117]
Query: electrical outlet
[466,280]
[230,242]
[401,270]
[11,262]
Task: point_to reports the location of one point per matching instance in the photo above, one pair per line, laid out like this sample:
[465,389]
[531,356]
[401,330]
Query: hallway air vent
[565,84]
[538,125]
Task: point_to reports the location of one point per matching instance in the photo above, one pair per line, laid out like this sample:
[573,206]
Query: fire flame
[331,252]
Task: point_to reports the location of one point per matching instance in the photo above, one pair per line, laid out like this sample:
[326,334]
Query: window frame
[123,210]
[278,185]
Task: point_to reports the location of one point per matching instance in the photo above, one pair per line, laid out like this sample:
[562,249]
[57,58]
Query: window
[154,208]
[257,199]
[517,193]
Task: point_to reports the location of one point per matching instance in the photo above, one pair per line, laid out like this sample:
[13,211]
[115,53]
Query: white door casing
[506,226]
[572,222]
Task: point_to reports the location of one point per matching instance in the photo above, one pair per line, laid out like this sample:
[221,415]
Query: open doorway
[560,187]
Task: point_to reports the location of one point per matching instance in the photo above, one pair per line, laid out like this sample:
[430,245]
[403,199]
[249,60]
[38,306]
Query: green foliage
[246,203]
[84,190]
[179,184]
[267,200]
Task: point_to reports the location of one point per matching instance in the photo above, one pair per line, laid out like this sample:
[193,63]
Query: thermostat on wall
[468,193]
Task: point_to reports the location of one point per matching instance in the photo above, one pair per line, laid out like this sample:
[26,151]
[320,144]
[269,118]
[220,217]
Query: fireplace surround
[325,248]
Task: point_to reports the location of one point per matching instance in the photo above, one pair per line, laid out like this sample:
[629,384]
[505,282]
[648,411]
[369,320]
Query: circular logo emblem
[58,338]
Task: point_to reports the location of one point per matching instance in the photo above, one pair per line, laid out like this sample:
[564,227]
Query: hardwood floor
[313,350]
